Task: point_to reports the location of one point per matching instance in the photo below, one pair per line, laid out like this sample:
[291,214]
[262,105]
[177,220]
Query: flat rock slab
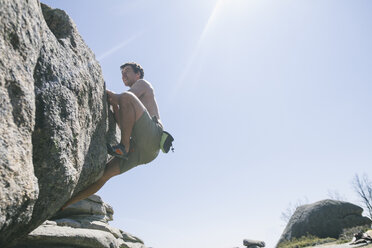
[71,236]
[74,237]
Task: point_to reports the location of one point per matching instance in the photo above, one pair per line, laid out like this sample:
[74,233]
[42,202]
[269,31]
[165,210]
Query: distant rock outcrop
[54,120]
[323,219]
[83,224]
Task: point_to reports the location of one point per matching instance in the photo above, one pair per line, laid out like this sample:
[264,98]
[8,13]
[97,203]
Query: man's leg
[131,109]
[112,169]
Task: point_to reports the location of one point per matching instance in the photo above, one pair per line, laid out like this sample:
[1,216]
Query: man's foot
[117,151]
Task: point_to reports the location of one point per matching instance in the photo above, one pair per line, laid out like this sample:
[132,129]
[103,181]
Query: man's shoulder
[143,83]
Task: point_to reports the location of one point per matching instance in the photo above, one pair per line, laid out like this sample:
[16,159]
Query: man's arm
[116,114]
[113,101]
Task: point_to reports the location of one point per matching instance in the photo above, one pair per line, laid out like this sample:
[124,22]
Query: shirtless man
[137,115]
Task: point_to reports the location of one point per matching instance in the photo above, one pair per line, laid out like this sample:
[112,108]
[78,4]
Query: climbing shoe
[117,151]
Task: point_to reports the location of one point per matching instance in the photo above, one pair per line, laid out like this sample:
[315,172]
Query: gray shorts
[145,142]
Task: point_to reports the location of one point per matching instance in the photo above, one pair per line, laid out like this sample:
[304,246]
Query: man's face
[128,76]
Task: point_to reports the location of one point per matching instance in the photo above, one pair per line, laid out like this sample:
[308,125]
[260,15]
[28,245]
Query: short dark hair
[137,68]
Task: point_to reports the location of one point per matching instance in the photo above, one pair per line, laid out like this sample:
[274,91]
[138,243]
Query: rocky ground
[346,245]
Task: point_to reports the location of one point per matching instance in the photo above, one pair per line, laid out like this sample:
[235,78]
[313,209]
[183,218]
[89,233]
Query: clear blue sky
[269,102]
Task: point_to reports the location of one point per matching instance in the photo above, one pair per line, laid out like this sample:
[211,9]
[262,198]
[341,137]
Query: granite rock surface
[54,117]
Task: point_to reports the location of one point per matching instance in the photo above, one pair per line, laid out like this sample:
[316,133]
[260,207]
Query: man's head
[131,72]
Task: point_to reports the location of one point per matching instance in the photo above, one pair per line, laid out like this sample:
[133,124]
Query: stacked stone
[83,224]
[249,243]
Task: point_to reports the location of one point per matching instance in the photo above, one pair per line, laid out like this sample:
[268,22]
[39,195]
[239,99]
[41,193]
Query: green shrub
[311,240]
[304,241]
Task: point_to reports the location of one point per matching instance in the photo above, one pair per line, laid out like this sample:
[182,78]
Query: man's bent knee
[127,96]
[130,99]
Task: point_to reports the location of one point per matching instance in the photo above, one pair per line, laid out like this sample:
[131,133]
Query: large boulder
[323,219]
[83,224]
[54,118]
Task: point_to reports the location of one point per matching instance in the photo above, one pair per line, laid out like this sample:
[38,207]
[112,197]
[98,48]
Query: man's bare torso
[145,93]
